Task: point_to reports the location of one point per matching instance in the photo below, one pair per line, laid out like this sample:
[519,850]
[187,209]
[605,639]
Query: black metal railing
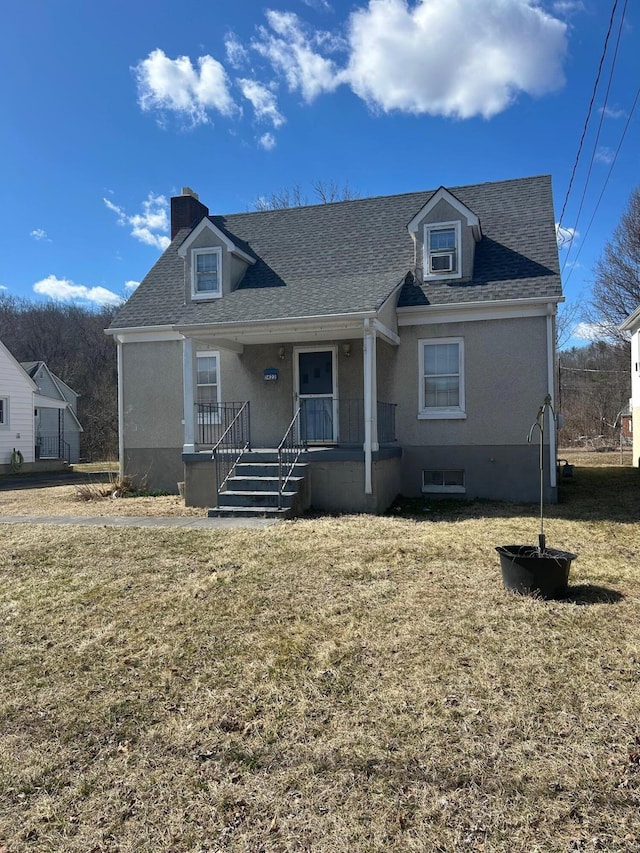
[53,447]
[213,420]
[289,450]
[351,422]
[232,443]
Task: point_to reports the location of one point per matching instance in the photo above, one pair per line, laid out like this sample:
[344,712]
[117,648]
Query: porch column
[189,384]
[370,402]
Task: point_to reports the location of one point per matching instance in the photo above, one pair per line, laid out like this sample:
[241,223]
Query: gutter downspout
[551,388]
[120,410]
[367,352]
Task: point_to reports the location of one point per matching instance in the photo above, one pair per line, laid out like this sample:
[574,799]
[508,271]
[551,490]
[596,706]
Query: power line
[591,102]
[597,139]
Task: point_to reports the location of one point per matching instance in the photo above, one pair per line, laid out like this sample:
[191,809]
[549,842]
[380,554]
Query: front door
[316,395]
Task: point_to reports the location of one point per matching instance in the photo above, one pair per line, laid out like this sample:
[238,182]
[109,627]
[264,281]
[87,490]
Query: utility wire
[586,123]
[604,186]
[597,139]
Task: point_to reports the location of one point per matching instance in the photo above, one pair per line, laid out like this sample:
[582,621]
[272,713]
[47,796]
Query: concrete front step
[260,484]
[249,512]
[266,469]
[254,499]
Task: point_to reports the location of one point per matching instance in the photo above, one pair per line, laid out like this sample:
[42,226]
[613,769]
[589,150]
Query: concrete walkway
[138,521]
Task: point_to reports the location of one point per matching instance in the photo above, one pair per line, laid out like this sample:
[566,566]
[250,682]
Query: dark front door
[316,395]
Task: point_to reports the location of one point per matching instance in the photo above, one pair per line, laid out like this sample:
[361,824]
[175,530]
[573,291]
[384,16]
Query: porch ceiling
[236,336]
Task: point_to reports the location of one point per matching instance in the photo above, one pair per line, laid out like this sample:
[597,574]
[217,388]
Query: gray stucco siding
[152,396]
[155,468]
[494,472]
[505,382]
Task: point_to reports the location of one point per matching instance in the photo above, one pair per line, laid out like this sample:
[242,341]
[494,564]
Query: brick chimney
[186,211]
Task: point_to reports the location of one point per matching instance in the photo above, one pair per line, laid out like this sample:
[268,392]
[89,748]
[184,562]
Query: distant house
[632,325]
[400,344]
[57,429]
[33,415]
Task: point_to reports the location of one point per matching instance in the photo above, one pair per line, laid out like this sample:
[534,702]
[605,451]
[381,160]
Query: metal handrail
[236,440]
[289,451]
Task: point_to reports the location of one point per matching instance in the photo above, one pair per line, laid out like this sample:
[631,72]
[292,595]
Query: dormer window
[206,278]
[442,250]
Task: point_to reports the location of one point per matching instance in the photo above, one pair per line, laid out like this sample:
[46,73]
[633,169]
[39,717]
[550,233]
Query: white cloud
[589,332]
[613,112]
[604,155]
[263,101]
[2,287]
[150,226]
[66,291]
[565,236]
[267,141]
[292,51]
[131,285]
[177,86]
[40,234]
[320,5]
[453,57]
[568,7]
[236,52]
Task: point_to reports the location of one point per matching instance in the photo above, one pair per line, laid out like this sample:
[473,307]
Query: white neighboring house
[57,429]
[22,404]
[632,325]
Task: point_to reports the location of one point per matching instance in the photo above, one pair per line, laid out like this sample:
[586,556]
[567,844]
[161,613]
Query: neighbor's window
[441,378]
[207,268]
[446,480]
[442,250]
[4,411]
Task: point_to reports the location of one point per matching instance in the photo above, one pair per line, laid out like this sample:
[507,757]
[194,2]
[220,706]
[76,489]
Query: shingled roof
[349,257]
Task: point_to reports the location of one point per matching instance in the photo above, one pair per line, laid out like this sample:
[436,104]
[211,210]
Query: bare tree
[323,193]
[616,290]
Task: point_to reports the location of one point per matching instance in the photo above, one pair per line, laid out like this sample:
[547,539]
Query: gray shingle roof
[349,256]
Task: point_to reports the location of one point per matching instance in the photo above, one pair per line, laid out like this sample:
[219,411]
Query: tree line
[71,341]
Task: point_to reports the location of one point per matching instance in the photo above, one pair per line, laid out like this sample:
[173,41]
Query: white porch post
[369,360]
[189,384]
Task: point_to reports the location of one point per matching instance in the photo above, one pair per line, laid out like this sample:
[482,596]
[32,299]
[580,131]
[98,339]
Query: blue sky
[108,109]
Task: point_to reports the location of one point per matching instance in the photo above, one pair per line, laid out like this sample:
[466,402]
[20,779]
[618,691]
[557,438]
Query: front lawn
[335,685]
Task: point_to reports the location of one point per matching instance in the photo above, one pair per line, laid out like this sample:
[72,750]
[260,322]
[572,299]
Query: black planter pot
[529,571]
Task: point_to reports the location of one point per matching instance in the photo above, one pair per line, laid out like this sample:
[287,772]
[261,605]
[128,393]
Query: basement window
[443,481]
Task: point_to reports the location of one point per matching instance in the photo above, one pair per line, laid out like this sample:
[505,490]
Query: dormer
[214,264]
[445,232]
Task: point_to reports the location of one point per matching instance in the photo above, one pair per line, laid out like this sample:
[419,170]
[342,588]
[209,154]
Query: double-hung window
[4,412]
[441,371]
[442,250]
[207,273]
[208,396]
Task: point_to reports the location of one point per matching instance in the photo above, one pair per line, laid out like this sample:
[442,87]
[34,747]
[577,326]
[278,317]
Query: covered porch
[308,393]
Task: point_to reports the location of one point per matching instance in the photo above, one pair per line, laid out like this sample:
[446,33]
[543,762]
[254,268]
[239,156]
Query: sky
[107,109]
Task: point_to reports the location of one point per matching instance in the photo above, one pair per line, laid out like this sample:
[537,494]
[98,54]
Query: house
[57,429]
[27,404]
[396,344]
[632,326]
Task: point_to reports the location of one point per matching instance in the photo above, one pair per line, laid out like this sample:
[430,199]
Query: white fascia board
[206,225]
[144,334]
[322,325]
[440,195]
[632,323]
[385,333]
[471,311]
[48,402]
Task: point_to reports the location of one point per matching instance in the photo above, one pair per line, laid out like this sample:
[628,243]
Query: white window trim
[440,490]
[212,353]
[4,423]
[208,294]
[437,226]
[441,413]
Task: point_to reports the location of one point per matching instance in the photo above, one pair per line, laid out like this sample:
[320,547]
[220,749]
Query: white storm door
[316,384]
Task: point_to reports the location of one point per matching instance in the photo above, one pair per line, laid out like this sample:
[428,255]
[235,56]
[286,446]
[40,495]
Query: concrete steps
[252,492]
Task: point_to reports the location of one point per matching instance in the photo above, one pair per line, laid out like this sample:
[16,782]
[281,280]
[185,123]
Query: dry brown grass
[330,684]
[72,500]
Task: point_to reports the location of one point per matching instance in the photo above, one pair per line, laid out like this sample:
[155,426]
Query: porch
[307,469]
